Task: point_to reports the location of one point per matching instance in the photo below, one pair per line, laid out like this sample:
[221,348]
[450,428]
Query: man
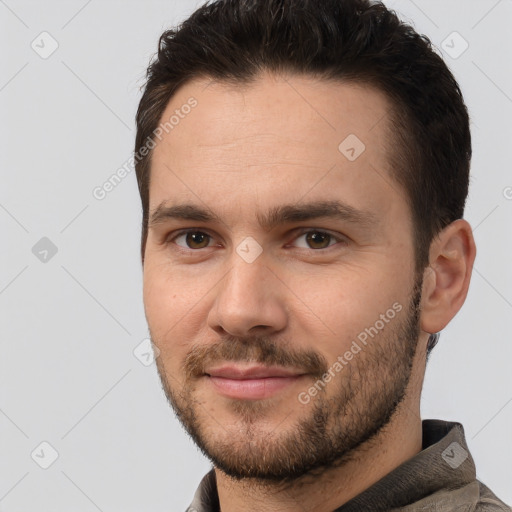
[303,167]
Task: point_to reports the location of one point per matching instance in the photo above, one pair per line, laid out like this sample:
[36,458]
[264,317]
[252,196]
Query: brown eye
[194,239]
[317,239]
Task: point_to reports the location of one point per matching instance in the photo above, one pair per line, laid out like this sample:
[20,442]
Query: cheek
[337,307]
[163,306]
[157,296]
[174,309]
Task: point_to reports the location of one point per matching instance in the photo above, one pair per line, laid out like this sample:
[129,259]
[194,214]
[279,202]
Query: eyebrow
[277,215]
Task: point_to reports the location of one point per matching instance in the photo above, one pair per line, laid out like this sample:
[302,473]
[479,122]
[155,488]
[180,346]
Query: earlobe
[446,279]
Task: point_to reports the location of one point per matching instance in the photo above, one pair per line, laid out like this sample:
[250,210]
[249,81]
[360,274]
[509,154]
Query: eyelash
[338,238]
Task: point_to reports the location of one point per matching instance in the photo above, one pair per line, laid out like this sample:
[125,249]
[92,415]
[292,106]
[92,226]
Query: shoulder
[489,502]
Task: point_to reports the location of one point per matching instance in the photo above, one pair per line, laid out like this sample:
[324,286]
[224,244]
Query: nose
[249,301]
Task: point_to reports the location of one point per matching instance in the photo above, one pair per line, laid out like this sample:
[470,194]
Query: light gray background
[69,325]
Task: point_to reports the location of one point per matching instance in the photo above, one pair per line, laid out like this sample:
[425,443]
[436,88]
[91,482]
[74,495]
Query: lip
[254,382]
[239,372]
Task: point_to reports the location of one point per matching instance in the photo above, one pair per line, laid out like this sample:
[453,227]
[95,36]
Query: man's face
[285,340]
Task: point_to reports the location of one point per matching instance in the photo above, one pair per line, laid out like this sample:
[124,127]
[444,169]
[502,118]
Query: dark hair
[356,41]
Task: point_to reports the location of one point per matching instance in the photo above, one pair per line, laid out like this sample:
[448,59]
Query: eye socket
[196,236]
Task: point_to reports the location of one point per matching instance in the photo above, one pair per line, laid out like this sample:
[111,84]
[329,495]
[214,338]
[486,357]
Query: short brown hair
[356,41]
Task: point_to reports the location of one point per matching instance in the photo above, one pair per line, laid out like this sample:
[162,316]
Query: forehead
[279,107]
[280,135]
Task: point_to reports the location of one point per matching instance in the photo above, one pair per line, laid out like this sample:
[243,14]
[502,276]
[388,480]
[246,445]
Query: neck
[398,441]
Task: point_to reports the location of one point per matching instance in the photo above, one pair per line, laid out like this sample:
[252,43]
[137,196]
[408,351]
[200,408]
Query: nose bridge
[245,279]
[243,288]
[247,297]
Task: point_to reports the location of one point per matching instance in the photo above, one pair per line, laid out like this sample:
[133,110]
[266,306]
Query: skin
[241,152]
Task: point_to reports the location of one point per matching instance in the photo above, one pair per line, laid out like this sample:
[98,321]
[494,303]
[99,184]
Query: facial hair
[368,391]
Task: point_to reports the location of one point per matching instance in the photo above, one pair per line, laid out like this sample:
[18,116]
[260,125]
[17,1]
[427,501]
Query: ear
[446,279]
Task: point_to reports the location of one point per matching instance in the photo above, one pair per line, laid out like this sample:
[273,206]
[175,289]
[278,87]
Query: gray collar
[444,468]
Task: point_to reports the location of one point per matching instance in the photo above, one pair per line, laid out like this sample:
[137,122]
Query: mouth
[254,382]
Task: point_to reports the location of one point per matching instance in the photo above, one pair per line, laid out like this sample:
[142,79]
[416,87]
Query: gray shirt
[440,478]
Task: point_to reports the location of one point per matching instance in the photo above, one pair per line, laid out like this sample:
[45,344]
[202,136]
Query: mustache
[262,350]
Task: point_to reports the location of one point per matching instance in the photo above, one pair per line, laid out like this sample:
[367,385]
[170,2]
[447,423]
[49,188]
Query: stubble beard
[369,390]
